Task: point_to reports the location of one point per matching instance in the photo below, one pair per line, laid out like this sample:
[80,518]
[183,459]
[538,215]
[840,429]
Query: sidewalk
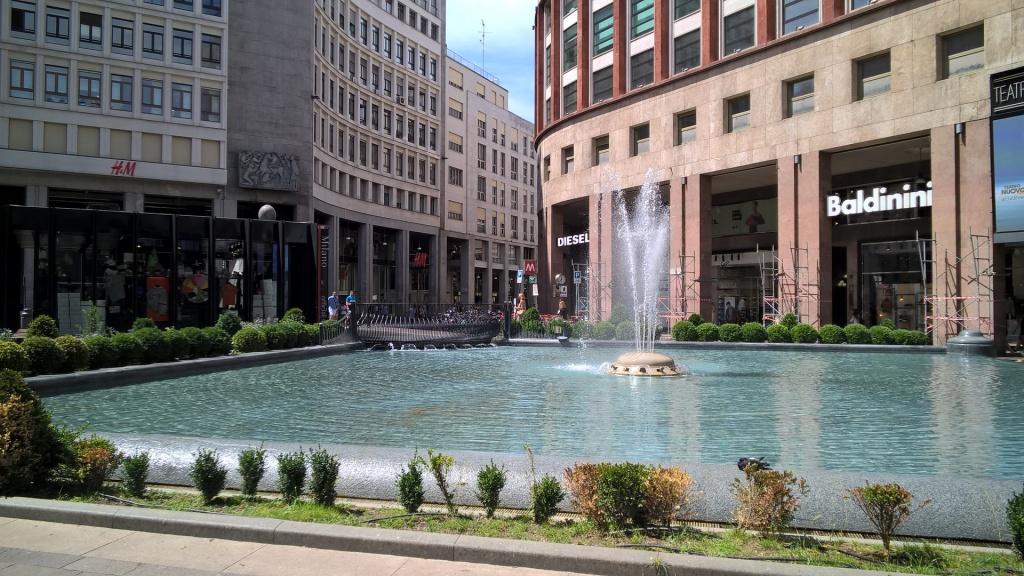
[49,549]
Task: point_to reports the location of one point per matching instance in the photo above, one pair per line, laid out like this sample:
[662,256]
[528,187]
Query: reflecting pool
[912,414]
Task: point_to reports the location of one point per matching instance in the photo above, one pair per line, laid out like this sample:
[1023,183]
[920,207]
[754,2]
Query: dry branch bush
[666,493]
[767,499]
[886,506]
[581,479]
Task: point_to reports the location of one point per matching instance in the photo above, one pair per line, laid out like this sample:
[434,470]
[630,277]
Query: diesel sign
[574,239]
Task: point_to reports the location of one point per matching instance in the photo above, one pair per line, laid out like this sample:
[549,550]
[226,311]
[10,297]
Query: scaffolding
[958,308]
[682,288]
[789,289]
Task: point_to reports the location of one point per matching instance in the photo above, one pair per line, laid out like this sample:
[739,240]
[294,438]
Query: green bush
[625,330]
[127,349]
[695,319]
[30,448]
[43,326]
[276,335]
[136,469]
[684,331]
[410,486]
[178,345]
[754,332]
[293,332]
[531,327]
[154,345]
[440,466]
[220,341]
[44,356]
[252,465]
[777,333]
[291,475]
[880,334]
[13,356]
[310,335]
[804,334]
[730,332]
[294,315]
[789,320]
[918,338]
[1015,521]
[249,339]
[95,458]
[554,327]
[198,343]
[76,354]
[766,499]
[323,476]
[545,496]
[207,474]
[604,330]
[141,323]
[530,315]
[888,323]
[229,322]
[832,334]
[707,332]
[857,334]
[102,353]
[886,507]
[620,494]
[910,338]
[581,329]
[618,314]
[489,483]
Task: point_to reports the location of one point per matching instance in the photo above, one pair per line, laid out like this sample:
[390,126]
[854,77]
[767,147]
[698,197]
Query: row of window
[455,108]
[121,33]
[57,90]
[336,10]
[498,229]
[498,195]
[358,149]
[368,191]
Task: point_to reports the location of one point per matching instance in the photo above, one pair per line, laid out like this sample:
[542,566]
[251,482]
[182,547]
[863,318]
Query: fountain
[643,232]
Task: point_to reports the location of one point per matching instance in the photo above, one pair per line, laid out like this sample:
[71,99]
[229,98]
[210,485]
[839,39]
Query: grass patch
[914,558]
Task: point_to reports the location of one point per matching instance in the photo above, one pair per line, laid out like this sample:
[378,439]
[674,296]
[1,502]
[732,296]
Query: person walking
[333,306]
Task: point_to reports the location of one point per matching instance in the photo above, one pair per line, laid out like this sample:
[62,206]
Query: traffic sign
[519,276]
[533,279]
[530,267]
[536,291]
[577,277]
[563,290]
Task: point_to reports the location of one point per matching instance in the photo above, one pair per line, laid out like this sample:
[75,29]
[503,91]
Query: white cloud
[509,43]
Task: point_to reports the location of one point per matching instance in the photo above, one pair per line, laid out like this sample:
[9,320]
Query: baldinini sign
[878,200]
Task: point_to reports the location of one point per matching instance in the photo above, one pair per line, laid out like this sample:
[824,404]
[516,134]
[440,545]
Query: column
[766,21]
[662,38]
[402,265]
[583,32]
[677,262]
[601,234]
[555,262]
[697,243]
[945,230]
[485,292]
[334,253]
[709,26]
[831,9]
[503,276]
[814,234]
[437,264]
[538,67]
[620,47]
[365,280]
[466,277]
[556,60]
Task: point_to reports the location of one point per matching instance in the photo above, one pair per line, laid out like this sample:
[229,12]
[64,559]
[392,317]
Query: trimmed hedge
[154,345]
[778,334]
[198,344]
[603,330]
[127,348]
[857,334]
[730,332]
[220,341]
[76,354]
[249,339]
[44,356]
[141,323]
[880,334]
[43,326]
[32,448]
[789,320]
[832,334]
[707,332]
[178,344]
[804,334]
[684,331]
[102,352]
[753,332]
[229,322]
[695,319]
[294,315]
[625,330]
[13,356]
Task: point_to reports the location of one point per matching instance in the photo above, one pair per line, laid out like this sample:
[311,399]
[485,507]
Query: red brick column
[620,47]
[602,231]
[676,259]
[662,38]
[709,26]
[831,9]
[583,41]
[766,21]
[556,60]
[697,243]
[538,68]
[814,233]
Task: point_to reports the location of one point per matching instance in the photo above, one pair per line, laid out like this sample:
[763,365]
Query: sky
[509,46]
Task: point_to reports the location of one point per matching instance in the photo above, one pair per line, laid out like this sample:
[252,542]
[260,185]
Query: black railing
[428,324]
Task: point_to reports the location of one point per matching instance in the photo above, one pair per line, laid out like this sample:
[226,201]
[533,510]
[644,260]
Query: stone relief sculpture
[268,171]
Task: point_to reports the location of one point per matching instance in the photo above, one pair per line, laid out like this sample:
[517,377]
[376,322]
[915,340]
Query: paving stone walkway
[31,548]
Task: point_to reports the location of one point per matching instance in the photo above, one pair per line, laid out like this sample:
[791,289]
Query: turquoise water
[914,414]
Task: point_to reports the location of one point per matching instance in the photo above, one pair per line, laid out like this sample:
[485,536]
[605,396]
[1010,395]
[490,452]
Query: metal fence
[428,324]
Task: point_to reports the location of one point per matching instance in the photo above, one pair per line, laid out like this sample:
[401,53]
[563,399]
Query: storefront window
[153,267]
[115,257]
[419,268]
[28,260]
[265,264]
[348,257]
[193,278]
[894,283]
[74,267]
[385,266]
[229,265]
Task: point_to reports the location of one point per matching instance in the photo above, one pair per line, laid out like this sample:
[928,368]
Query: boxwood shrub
[276,335]
[730,332]
[311,334]
[128,349]
[76,354]
[177,343]
[44,356]
[857,334]
[198,343]
[707,332]
[294,315]
[778,333]
[695,319]
[603,330]
[220,341]
[625,330]
[154,346]
[33,449]
[229,322]
[620,493]
[293,333]
[13,356]
[141,323]
[910,338]
[789,320]
[880,334]
[754,332]
[249,339]
[102,353]
[618,314]
[44,326]
[804,334]
[832,334]
[684,331]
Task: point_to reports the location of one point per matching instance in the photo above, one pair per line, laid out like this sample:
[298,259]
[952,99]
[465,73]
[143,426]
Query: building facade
[831,158]
[491,188]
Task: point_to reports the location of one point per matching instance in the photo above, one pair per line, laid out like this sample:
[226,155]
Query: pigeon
[761,463]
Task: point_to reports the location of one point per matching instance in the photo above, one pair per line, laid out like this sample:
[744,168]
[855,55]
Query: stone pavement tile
[28,570]
[420,567]
[297,561]
[152,570]
[53,537]
[5,520]
[177,551]
[34,558]
[102,566]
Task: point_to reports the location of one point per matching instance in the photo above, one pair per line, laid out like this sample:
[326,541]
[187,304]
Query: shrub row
[689,331]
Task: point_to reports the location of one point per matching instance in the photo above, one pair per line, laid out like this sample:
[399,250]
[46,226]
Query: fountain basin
[644,364]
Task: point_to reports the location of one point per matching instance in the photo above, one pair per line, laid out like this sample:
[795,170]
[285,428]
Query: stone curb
[764,346]
[127,375]
[497,551]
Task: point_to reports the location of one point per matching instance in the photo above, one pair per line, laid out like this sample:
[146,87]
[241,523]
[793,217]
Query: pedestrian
[563,310]
[333,305]
[351,298]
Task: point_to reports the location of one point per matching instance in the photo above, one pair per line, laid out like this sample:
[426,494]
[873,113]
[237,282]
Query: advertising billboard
[1007,152]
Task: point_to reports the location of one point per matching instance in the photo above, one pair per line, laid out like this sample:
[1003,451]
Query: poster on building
[753,217]
[1007,151]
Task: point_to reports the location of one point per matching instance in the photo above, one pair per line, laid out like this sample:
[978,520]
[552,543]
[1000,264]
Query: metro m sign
[530,267]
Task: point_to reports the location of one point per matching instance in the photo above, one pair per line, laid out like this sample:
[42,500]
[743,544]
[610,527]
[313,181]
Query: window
[433,69]
[181,100]
[56,84]
[23,17]
[602,84]
[181,46]
[569,98]
[568,7]
[121,92]
[152,96]
[687,51]
[183,5]
[568,157]
[685,8]
[212,7]
[641,69]
[375,38]
[739,31]
[639,139]
[152,41]
[210,106]
[122,35]
[686,127]
[641,17]
[90,30]
[362,30]
[547,70]
[855,4]
[963,51]
[873,75]
[454,176]
[89,88]
[737,113]
[798,14]
[387,45]
[604,30]
[800,96]
[58,25]
[210,51]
